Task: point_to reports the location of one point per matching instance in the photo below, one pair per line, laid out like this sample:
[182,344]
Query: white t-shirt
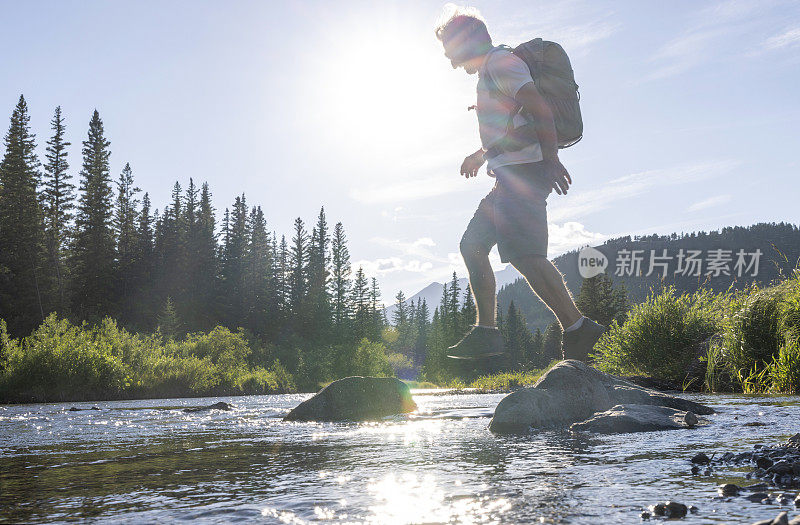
[509,73]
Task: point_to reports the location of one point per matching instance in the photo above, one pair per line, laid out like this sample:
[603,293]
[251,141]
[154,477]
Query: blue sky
[690,112]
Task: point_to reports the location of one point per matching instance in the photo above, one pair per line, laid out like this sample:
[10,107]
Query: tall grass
[747,341]
[663,337]
[758,349]
[64,362]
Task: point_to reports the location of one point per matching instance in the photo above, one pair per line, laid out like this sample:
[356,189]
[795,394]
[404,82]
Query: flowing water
[148,461]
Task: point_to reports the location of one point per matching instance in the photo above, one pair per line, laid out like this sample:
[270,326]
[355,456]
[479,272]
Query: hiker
[520,143]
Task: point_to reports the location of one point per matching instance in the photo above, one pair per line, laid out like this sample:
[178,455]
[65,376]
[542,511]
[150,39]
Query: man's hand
[471,164]
[558,175]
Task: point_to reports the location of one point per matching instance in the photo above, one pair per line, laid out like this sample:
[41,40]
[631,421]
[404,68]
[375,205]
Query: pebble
[690,419]
[701,459]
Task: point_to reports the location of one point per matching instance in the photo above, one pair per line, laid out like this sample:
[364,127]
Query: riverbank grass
[64,362]
[746,341]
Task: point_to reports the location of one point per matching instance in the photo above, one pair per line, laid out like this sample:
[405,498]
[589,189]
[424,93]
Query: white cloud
[575,24]
[710,202]
[569,236]
[383,266]
[581,204]
[713,32]
[789,38]
[420,247]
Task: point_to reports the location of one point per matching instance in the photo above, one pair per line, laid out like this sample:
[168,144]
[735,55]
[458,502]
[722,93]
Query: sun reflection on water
[408,498]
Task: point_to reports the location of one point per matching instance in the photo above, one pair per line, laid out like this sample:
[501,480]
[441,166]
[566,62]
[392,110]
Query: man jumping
[513,215]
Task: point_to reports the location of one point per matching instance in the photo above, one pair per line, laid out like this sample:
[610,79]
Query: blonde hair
[462,18]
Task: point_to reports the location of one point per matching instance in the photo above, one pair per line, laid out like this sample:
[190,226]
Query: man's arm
[534,103]
[471,164]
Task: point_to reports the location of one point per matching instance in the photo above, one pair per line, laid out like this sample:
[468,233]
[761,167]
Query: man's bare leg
[482,284]
[548,283]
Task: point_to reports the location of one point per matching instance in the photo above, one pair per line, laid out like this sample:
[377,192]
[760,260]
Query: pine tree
[141,271]
[22,253]
[400,315]
[423,325]
[469,312]
[58,201]
[360,305]
[340,261]
[236,238]
[282,285]
[298,277]
[601,301]
[518,341]
[454,309]
[377,314]
[169,324]
[258,273]
[319,280]
[551,344]
[203,251]
[93,251]
[125,215]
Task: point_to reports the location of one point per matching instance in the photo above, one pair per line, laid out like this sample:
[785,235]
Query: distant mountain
[432,294]
[717,260]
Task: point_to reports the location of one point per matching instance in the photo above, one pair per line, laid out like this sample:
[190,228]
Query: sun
[380,87]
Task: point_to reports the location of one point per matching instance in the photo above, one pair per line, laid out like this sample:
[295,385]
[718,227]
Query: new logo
[591,262]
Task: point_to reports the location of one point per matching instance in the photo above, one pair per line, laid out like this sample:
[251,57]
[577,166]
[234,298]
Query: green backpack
[555,80]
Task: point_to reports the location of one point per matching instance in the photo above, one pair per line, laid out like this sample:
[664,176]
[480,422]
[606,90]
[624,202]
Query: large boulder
[356,399]
[573,391]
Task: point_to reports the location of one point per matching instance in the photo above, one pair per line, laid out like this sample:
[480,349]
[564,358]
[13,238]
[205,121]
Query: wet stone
[781,468]
[700,459]
[728,490]
[757,497]
[764,462]
[669,509]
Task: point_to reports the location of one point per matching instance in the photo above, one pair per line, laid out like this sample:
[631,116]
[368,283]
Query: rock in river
[356,399]
[222,405]
[632,418]
[573,391]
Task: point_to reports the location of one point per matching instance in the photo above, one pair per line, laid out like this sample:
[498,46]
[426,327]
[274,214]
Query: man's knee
[471,250]
[528,264]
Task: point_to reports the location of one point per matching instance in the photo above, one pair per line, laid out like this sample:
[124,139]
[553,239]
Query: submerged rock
[76,409]
[632,418]
[216,406]
[356,399]
[571,392]
[728,489]
[780,519]
[669,509]
[701,459]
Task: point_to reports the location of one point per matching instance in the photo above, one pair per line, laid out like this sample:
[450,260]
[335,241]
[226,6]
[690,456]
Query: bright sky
[690,112]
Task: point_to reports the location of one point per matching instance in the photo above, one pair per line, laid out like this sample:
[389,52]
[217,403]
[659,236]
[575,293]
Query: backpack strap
[515,138]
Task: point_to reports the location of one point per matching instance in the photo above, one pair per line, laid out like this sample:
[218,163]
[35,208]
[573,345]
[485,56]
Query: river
[148,461]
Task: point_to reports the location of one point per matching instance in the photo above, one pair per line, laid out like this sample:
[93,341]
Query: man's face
[457,52]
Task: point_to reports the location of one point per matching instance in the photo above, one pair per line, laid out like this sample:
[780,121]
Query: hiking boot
[480,341]
[578,343]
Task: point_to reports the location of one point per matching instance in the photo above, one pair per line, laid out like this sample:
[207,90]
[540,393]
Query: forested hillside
[732,257]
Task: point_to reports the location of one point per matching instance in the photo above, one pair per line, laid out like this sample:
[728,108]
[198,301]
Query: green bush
[758,347]
[663,336]
[63,362]
[371,359]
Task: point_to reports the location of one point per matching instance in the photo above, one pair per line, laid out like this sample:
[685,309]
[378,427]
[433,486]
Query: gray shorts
[513,215]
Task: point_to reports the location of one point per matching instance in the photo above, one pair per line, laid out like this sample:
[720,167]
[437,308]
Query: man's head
[464,36]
